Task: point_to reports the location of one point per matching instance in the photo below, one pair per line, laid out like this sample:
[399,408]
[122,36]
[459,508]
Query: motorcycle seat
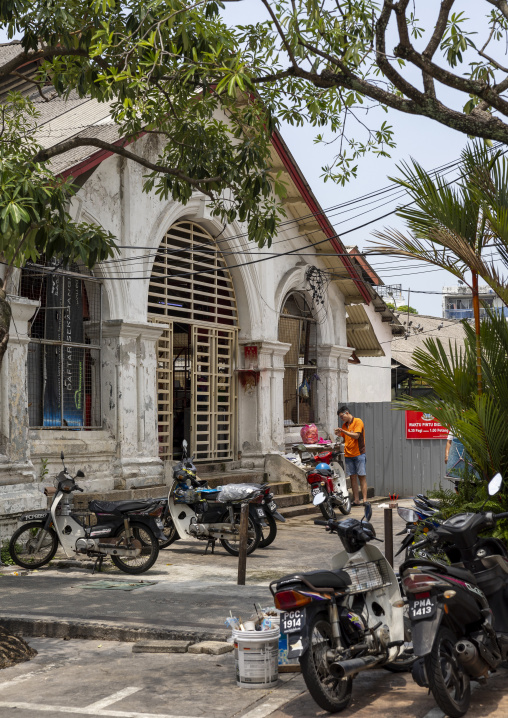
[320,579]
[120,507]
[461,573]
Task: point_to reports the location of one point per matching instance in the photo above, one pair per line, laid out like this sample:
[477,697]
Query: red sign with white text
[423,426]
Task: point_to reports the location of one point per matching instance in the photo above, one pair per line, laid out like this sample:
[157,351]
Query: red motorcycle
[328,488]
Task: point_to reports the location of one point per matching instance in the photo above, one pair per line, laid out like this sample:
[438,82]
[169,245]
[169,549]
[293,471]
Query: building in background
[458,302]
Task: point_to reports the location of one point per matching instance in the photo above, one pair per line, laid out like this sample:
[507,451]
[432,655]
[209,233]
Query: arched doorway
[191,290]
[298,328]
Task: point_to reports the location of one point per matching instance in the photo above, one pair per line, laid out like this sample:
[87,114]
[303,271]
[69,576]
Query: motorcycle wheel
[448,681]
[148,555]
[170,532]
[269,533]
[404,662]
[232,545]
[345,508]
[331,694]
[326,509]
[22,546]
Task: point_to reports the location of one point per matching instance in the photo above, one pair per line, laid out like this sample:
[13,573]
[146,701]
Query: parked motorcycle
[210,514]
[458,612]
[127,531]
[342,621]
[328,488]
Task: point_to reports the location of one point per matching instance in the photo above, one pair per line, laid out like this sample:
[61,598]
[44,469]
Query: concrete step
[240,477]
[297,499]
[281,487]
[147,492]
[305,509]
[219,466]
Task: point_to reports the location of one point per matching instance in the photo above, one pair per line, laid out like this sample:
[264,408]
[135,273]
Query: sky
[428,142]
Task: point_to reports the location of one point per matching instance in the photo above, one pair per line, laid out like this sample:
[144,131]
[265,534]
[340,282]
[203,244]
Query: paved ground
[100,678]
[104,678]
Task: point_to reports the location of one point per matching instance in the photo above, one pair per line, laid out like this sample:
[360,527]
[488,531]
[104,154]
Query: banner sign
[64,322]
[423,426]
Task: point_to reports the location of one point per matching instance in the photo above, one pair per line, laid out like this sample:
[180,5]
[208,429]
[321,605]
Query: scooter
[127,531]
[344,620]
[328,486]
[213,514]
[458,612]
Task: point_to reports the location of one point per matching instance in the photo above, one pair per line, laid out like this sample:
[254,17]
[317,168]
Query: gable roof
[63,119]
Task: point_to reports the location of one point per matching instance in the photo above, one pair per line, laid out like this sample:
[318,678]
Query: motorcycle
[328,488]
[458,611]
[344,620]
[210,514]
[268,525]
[127,531]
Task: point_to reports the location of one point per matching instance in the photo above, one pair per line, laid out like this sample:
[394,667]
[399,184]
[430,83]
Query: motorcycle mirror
[184,448]
[368,511]
[409,516]
[62,456]
[495,484]
[80,474]
[318,499]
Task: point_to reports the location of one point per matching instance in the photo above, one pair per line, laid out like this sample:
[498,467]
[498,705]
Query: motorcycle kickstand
[211,542]
[99,561]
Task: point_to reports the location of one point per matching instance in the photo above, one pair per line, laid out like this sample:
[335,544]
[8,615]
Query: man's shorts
[355,465]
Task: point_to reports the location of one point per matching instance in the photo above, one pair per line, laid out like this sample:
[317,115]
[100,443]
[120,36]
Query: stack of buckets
[259,655]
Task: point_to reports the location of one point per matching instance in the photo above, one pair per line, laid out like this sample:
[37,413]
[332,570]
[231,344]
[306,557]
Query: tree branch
[45,54]
[62,147]
[433,44]
[501,5]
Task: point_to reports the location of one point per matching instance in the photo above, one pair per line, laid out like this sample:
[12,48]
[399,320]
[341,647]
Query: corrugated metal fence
[396,464]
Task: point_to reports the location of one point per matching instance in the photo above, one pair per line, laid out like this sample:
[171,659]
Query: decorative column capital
[270,353]
[22,310]
[119,329]
[330,354]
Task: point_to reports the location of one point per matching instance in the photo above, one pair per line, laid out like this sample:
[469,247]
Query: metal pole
[476,309]
[242,556]
[389,536]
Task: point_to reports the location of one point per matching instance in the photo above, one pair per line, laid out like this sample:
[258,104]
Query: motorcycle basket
[367,576]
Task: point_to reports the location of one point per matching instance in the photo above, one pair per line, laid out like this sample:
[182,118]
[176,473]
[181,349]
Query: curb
[66,628]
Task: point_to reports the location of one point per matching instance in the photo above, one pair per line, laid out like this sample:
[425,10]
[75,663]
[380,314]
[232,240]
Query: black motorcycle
[458,610]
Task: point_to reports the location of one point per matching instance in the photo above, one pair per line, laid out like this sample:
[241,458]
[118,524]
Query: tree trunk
[13,649]
[5,321]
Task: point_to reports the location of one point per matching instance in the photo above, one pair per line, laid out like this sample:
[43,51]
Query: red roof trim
[95,159]
[319,215]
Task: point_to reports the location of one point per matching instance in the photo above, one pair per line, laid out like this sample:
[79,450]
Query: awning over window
[360,333]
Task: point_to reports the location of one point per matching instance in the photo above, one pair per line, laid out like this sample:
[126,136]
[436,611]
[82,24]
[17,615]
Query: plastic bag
[237,492]
[309,434]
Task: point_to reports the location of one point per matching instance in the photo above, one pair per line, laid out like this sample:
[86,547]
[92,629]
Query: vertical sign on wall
[423,426]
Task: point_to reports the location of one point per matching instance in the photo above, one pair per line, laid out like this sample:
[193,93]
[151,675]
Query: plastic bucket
[256,658]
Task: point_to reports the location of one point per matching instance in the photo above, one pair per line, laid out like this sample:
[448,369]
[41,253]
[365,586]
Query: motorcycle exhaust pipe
[344,669]
[468,656]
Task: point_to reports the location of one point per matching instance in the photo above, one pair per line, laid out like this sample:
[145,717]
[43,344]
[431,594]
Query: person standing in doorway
[353,432]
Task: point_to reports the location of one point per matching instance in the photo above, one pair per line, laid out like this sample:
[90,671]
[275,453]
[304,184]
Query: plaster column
[267,432]
[19,489]
[129,381]
[332,384]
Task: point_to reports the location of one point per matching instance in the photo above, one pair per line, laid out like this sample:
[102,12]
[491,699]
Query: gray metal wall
[396,464]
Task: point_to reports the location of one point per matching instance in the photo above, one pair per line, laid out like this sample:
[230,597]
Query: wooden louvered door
[191,289]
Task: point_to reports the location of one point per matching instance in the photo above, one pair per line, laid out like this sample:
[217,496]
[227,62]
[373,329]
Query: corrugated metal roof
[402,349]
[73,118]
[360,333]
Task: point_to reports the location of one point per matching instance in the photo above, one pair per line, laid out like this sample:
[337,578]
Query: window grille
[298,328]
[64,352]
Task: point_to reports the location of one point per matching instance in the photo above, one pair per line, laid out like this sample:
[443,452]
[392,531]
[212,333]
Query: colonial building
[191,331]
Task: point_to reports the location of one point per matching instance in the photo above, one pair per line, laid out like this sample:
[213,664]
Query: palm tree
[479,421]
[451,227]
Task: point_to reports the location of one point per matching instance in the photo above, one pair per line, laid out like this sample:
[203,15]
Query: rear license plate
[316,490]
[292,621]
[272,506]
[159,523]
[261,512]
[422,608]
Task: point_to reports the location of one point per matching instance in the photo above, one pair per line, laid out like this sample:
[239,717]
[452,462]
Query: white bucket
[256,658]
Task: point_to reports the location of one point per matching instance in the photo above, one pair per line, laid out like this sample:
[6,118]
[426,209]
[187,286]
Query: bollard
[389,536]
[242,556]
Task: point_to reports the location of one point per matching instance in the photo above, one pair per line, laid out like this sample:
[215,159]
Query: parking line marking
[276,700]
[104,713]
[113,698]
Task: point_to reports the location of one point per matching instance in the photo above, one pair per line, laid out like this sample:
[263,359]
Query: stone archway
[191,290]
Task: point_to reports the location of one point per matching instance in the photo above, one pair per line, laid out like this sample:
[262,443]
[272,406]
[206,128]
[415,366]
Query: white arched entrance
[191,290]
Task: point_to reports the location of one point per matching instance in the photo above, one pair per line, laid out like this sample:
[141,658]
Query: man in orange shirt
[353,432]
